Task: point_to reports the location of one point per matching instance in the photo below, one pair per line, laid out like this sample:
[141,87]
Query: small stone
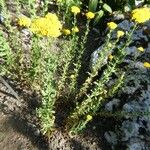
[37,132]
[110,105]
[111,137]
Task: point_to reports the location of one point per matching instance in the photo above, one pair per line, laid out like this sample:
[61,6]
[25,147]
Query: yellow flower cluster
[141,49]
[120,34]
[141,15]
[75,29]
[89,117]
[90,15]
[110,57]
[66,31]
[47,26]
[24,21]
[75,10]
[146,64]
[112,25]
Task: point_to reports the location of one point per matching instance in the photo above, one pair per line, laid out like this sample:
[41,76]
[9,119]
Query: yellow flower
[47,26]
[141,15]
[90,15]
[72,76]
[120,34]
[112,25]
[66,31]
[24,21]
[52,17]
[146,64]
[141,49]
[75,10]
[109,45]
[75,29]
[89,117]
[110,57]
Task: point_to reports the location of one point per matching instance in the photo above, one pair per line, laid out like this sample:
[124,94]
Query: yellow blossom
[66,31]
[146,64]
[110,57]
[141,15]
[24,21]
[120,34]
[47,26]
[52,17]
[72,76]
[141,49]
[112,25]
[90,15]
[89,117]
[109,45]
[75,29]
[75,10]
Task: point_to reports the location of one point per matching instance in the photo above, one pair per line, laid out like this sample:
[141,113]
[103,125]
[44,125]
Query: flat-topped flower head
[24,21]
[120,34]
[112,25]
[141,15]
[75,10]
[109,45]
[75,29]
[51,16]
[110,57]
[66,31]
[90,15]
[141,49]
[72,76]
[89,117]
[146,64]
[47,26]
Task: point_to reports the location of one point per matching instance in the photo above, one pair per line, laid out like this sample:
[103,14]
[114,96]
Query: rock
[112,104]
[132,51]
[37,132]
[139,2]
[134,96]
[96,54]
[125,25]
[1,19]
[136,146]
[129,129]
[111,137]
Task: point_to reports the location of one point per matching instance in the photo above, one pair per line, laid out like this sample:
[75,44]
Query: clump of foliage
[54,72]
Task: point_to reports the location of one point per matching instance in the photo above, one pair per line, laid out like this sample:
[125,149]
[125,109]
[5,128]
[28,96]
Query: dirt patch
[9,138]
[20,130]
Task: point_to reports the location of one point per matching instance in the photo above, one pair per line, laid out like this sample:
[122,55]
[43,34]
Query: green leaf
[98,16]
[93,5]
[127,8]
[107,8]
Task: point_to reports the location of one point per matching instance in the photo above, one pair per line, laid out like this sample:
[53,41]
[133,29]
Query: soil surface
[19,129]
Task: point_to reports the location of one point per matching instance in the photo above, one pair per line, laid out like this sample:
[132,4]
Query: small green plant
[99,93]
[99,8]
[6,55]
[49,93]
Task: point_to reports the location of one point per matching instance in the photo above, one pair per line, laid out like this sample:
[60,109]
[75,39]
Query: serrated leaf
[98,16]
[93,5]
[107,8]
